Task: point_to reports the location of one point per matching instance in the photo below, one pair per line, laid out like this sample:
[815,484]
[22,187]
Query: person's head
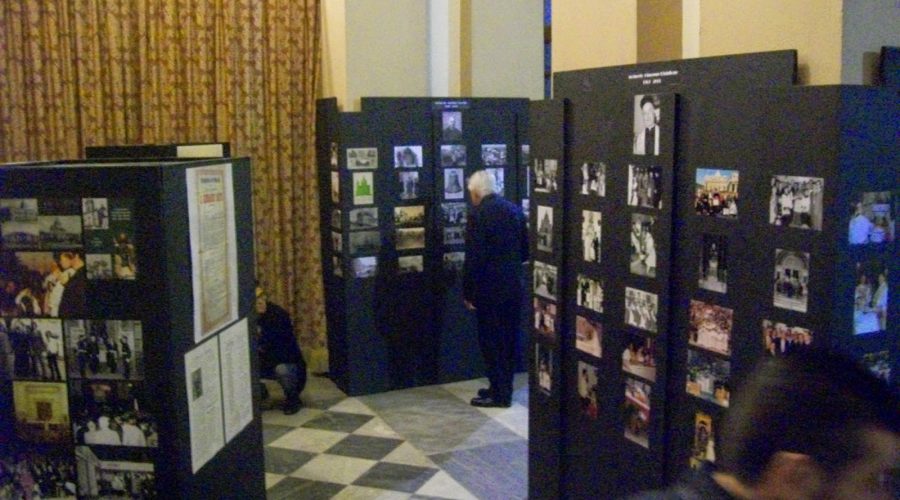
[650,110]
[103,422]
[812,425]
[261,300]
[481,184]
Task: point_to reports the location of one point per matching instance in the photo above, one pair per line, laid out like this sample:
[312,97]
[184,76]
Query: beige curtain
[76,73]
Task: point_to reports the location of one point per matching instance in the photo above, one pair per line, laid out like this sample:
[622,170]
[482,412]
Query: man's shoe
[489,403]
[484,393]
[291,408]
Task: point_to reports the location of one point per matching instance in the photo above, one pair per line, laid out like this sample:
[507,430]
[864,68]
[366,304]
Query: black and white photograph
[879,363]
[714,263]
[643,245]
[545,318]
[499,179]
[590,293]
[525,152]
[545,280]
[493,155]
[589,336]
[593,178]
[796,202]
[451,126]
[591,236]
[407,156]
[104,349]
[364,218]
[871,219]
[716,192]
[646,124]
[410,264]
[780,339]
[363,188]
[638,356]
[411,238]
[337,266]
[362,158]
[336,219]
[545,175]
[710,327]
[365,242]
[337,242]
[543,357]
[526,210]
[333,156]
[453,155]
[707,377]
[645,186]
[34,348]
[791,289]
[99,266]
[19,226]
[410,188]
[640,309]
[454,235]
[870,297]
[43,284]
[636,411]
[60,231]
[587,390]
[42,412]
[409,216]
[545,224]
[454,261]
[111,413]
[453,184]
[453,213]
[95,213]
[103,473]
[364,267]
[335,187]
[37,472]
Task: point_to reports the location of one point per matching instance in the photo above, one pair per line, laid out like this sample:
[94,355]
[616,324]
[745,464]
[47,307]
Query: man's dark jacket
[277,344]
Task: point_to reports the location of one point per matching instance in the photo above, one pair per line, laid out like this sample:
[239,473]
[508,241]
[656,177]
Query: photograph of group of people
[104,349]
[872,219]
[710,327]
[588,390]
[791,280]
[115,473]
[640,309]
[545,175]
[643,245]
[590,293]
[593,178]
[36,472]
[645,186]
[545,282]
[42,284]
[707,377]
[589,336]
[32,349]
[638,356]
[797,202]
[591,235]
[870,297]
[545,318]
[493,155]
[780,339]
[714,263]
[111,413]
[716,192]
[637,411]
[453,213]
[545,228]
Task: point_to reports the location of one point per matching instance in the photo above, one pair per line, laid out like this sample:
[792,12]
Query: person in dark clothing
[279,354]
[808,425]
[496,247]
[72,304]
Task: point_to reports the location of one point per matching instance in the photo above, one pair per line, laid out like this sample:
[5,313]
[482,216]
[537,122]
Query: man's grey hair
[482,183]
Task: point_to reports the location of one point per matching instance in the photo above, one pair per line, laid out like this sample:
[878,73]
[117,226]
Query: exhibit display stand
[128,329]
[393,209]
[181,150]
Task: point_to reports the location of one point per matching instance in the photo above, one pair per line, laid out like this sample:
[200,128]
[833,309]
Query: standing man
[279,354]
[496,247]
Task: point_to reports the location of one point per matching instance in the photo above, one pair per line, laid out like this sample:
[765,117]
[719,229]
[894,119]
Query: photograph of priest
[496,247]
[279,354]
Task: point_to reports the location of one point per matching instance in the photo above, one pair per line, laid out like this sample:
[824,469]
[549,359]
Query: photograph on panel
[333,156]
[451,126]
[407,156]
[453,155]
[42,412]
[543,357]
[37,471]
[104,349]
[589,293]
[99,266]
[103,473]
[714,263]
[707,377]
[453,213]
[545,318]
[364,267]
[410,188]
[703,448]
[95,213]
[638,356]
[589,336]
[636,411]
[780,339]
[409,216]
[643,245]
[646,124]
[870,297]
[335,187]
[32,349]
[593,178]
[879,363]
[499,179]
[455,235]
[526,210]
[710,327]
[640,309]
[791,280]
[525,155]
[454,261]
[59,223]
[337,242]
[545,282]
[493,155]
[545,228]
[453,184]
[796,202]
[410,264]
[645,186]
[336,264]
[365,242]
[871,219]
[545,175]
[19,223]
[112,413]
[716,192]
[410,238]
[336,219]
[588,392]
[591,235]
[364,218]
[362,158]
[363,188]
[44,284]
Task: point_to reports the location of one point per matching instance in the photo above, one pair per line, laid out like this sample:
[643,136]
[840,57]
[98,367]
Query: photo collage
[454,207]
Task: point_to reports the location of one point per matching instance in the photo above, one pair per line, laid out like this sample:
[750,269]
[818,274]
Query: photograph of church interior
[449,249]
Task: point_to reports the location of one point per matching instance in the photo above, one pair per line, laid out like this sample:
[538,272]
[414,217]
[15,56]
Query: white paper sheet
[237,391]
[204,395]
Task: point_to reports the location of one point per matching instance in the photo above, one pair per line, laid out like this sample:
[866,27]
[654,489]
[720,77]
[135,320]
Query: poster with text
[204,396]
[234,348]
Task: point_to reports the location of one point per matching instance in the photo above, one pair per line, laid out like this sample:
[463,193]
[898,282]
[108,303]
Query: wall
[593,33]
[659,30]
[333,82]
[868,25]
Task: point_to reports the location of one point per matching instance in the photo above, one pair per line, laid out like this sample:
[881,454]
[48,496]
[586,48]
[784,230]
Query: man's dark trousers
[498,329]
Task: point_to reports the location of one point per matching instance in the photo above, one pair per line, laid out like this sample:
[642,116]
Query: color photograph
[545,176]
[409,216]
[796,202]
[545,282]
[43,284]
[493,155]
[410,238]
[780,339]
[791,280]
[590,293]
[645,186]
[640,309]
[410,264]
[716,192]
[704,446]
[587,390]
[871,220]
[363,188]
[638,356]
[362,158]
[407,156]
[589,336]
[636,411]
[591,236]
[593,178]
[545,228]
[545,318]
[710,327]
[643,245]
[707,377]
[42,412]
[714,263]
[870,297]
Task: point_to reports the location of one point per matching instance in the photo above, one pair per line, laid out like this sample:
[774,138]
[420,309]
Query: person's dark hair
[811,402]
[651,98]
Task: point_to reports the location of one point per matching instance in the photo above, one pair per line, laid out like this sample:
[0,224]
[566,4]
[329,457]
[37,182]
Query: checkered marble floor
[424,442]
